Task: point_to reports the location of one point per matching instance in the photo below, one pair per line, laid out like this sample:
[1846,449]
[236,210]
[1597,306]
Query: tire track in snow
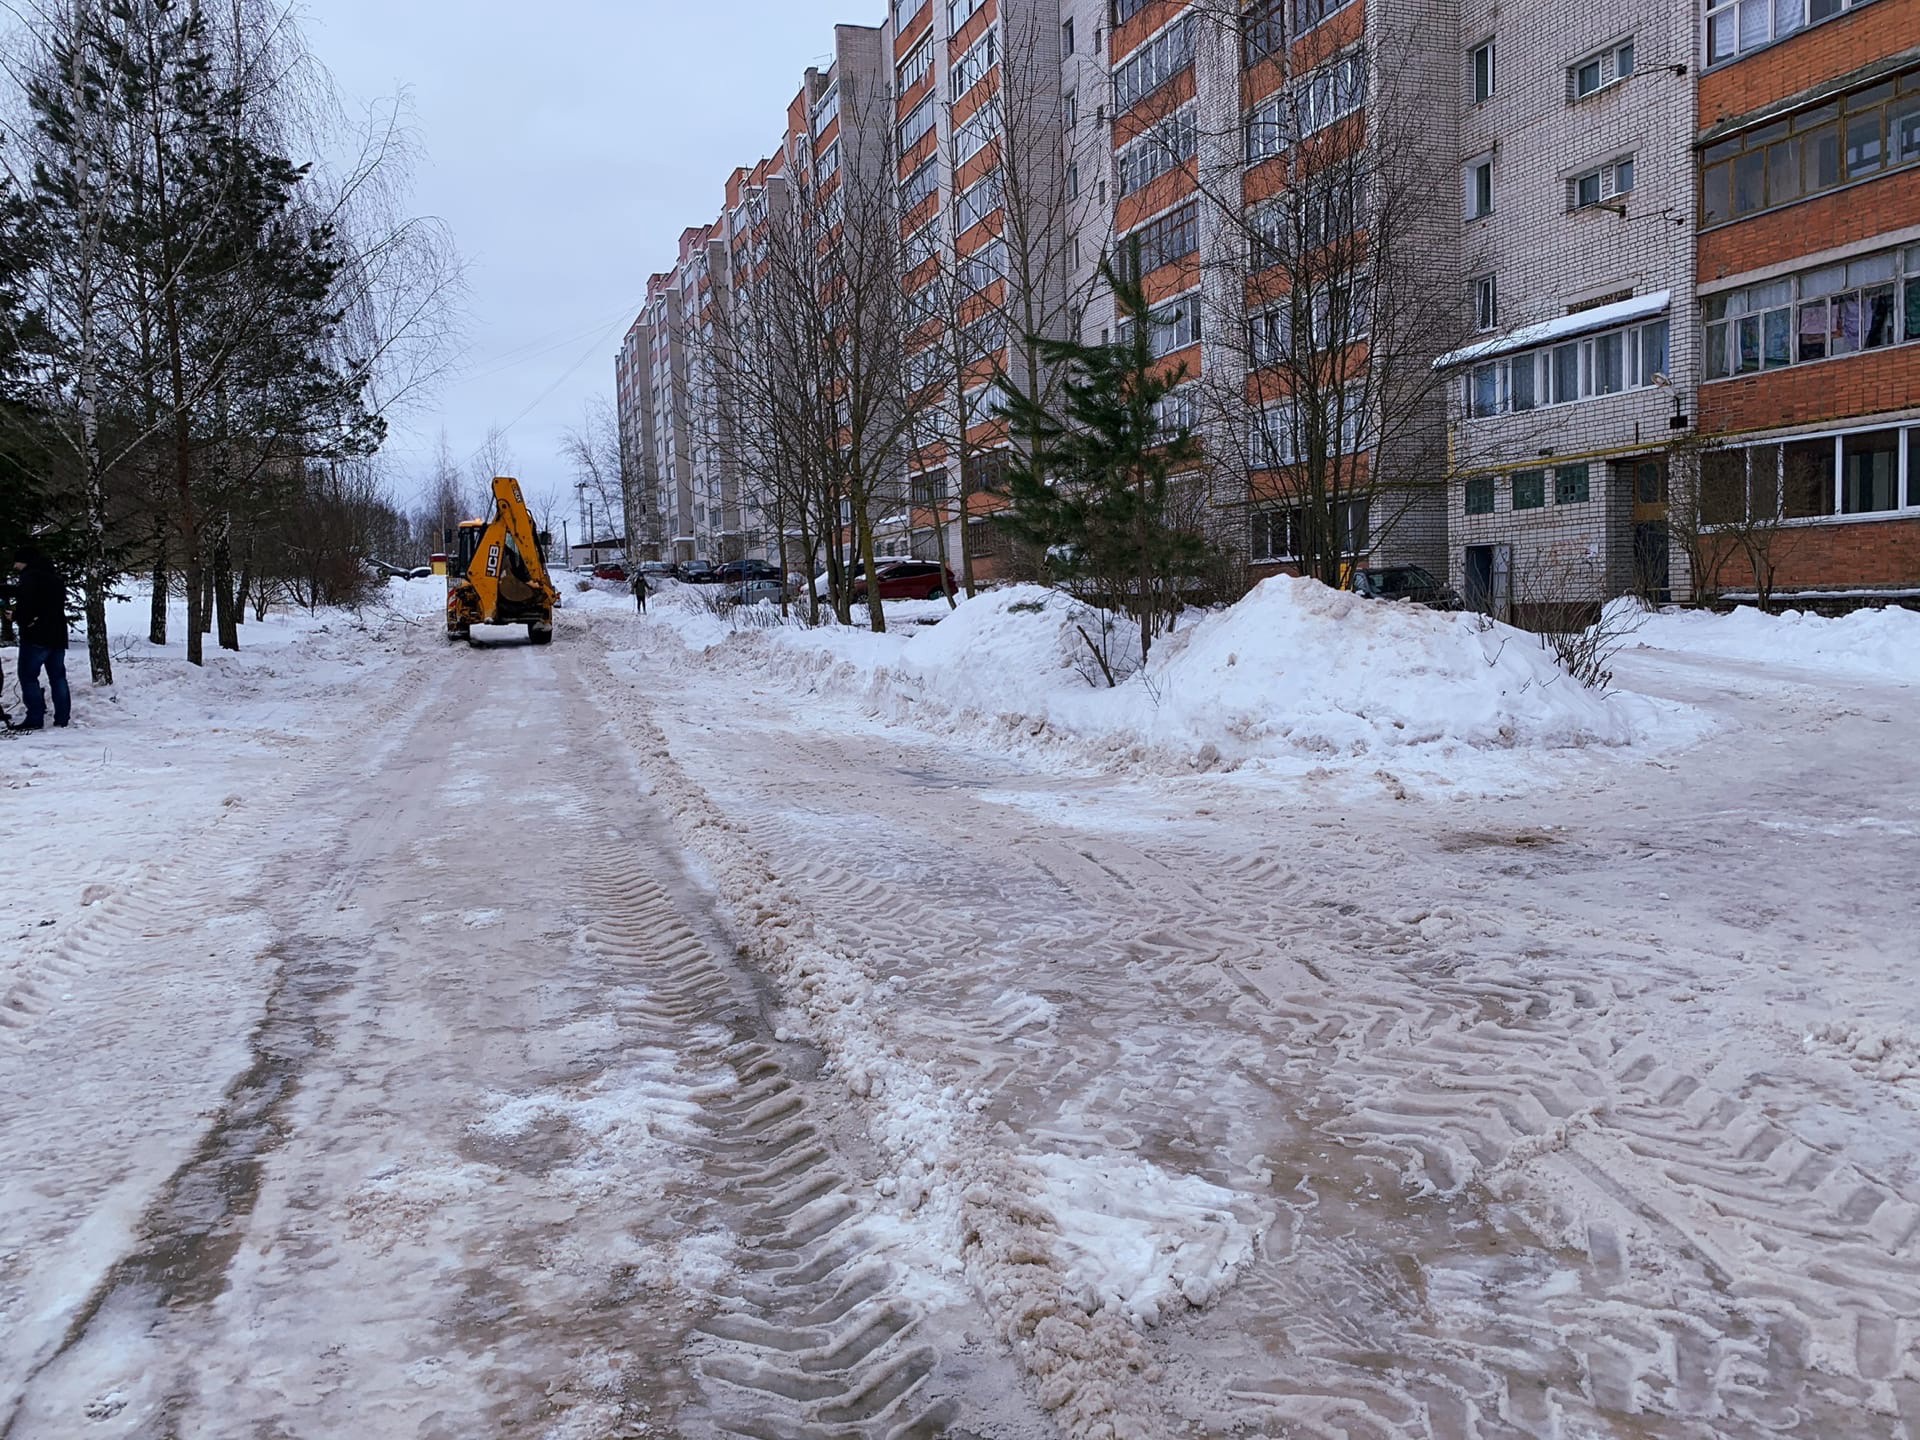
[1084,1367]
[1467,1056]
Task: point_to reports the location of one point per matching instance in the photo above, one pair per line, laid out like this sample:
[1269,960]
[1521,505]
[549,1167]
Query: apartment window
[985,471]
[905,12]
[1483,72]
[1324,95]
[976,132]
[1480,495]
[1164,239]
[1073,179]
[1597,72]
[1486,304]
[1601,184]
[1066,37]
[1070,109]
[1270,335]
[1163,146]
[915,127]
[919,61]
[959,12]
[1175,411]
[972,67]
[1154,64]
[829,163]
[983,267]
[1479,187]
[976,203]
[1602,364]
[1867,133]
[922,245]
[1170,327]
[1818,314]
[1125,10]
[1342,311]
[1276,532]
[1273,533]
[1737,26]
[1529,489]
[1570,485]
[1263,30]
[1309,13]
[918,186]
[827,110]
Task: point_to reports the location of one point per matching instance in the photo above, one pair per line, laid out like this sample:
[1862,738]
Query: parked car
[420,572]
[695,572]
[741,572]
[906,580]
[754,592]
[1407,582]
[656,571]
[612,570]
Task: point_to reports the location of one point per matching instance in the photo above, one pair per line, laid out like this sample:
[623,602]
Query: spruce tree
[1091,487]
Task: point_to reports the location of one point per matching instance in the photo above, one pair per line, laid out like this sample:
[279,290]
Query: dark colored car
[1407,582]
[741,572]
[696,572]
[612,570]
[906,580]
[656,571]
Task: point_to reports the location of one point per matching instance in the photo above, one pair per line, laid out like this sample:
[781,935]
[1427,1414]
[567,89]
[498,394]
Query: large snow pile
[1295,668]
[1878,644]
[1295,671]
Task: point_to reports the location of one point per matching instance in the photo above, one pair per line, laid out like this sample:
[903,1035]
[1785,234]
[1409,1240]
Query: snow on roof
[1545,332]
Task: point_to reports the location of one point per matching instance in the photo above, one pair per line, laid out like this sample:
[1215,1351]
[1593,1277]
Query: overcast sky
[568,143]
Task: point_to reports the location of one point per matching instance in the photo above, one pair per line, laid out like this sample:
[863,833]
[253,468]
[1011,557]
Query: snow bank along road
[607,1041]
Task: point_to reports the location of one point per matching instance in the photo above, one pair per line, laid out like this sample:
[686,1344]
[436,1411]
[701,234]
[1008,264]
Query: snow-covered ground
[1347,1027]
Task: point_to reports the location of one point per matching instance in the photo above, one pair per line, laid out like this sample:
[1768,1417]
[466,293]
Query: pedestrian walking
[40,616]
[640,590]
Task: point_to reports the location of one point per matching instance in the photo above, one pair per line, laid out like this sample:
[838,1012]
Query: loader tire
[539,634]
[454,637]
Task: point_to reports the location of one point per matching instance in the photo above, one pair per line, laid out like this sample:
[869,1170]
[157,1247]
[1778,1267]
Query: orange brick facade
[1879,387]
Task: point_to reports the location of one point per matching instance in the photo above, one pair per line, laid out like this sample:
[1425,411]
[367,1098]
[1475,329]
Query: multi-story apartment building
[1576,198]
[1808,272]
[1624,229]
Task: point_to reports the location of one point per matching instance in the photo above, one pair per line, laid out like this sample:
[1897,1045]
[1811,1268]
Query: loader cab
[468,545]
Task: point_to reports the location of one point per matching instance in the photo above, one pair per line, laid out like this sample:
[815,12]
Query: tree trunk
[99,658]
[863,529]
[157,606]
[222,579]
[241,588]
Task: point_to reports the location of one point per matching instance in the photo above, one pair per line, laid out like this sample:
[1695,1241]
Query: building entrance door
[1489,577]
[1652,549]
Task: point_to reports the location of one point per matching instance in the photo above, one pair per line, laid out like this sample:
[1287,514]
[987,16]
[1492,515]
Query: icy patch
[1139,1240]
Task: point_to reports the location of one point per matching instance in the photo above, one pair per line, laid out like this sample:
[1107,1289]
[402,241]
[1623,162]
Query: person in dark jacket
[40,616]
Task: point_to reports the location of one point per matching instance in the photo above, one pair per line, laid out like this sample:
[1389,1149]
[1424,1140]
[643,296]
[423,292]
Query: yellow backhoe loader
[496,576]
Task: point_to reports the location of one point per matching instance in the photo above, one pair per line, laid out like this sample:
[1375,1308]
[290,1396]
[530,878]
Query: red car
[907,580]
[612,570]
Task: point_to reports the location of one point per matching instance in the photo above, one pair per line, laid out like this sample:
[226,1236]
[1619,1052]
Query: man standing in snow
[640,590]
[40,613]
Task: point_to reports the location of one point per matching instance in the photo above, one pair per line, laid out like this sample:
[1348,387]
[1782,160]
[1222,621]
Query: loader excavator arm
[505,582]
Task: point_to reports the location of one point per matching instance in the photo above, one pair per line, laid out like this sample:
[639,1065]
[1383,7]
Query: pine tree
[1092,487]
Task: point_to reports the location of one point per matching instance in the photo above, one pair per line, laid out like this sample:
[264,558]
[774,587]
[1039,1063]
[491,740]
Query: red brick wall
[1878,553]
[1839,217]
[1829,391]
[1837,47]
